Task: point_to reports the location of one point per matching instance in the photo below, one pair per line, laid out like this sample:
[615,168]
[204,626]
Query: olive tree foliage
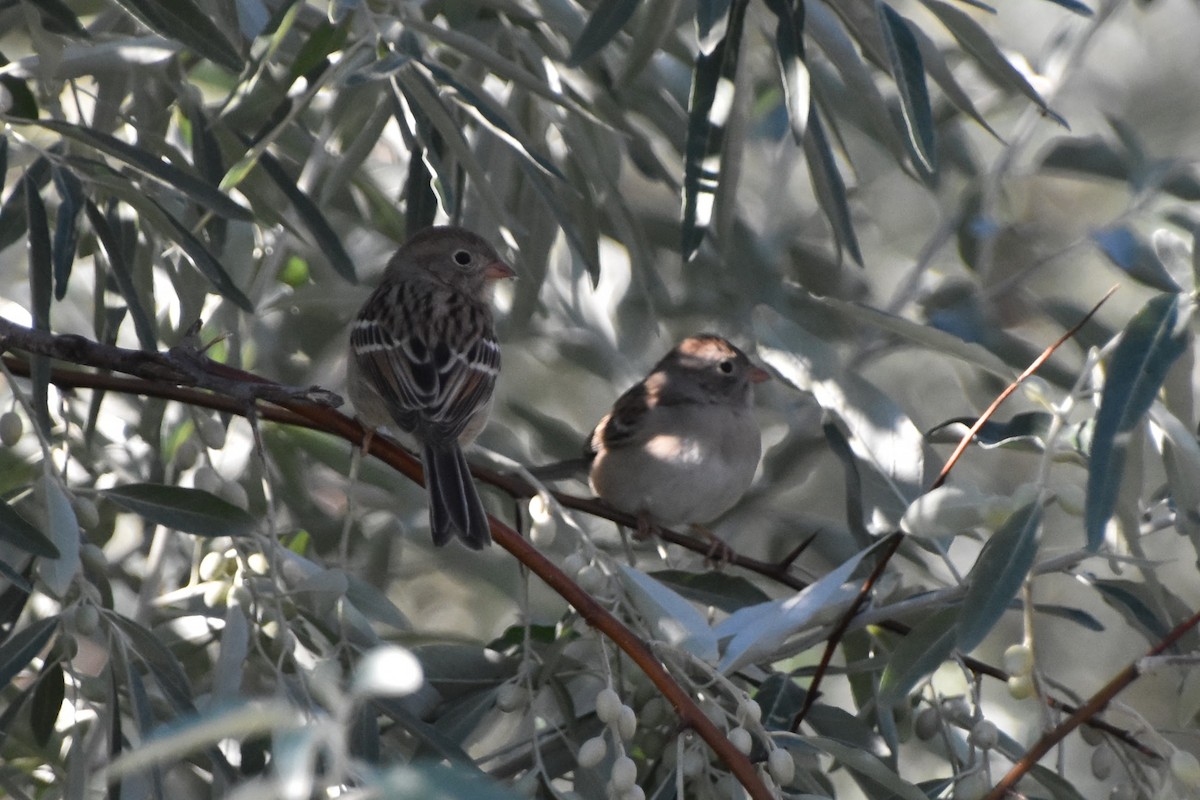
[895,206]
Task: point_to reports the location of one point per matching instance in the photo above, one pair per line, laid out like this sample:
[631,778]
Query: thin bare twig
[969,436]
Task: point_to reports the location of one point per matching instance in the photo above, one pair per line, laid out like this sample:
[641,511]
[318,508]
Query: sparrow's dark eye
[726,367]
[462,258]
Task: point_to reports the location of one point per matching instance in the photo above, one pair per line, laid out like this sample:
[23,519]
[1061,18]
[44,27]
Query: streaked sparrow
[424,360]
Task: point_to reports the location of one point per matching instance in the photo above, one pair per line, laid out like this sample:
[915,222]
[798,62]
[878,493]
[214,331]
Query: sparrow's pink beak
[758,375]
[497,270]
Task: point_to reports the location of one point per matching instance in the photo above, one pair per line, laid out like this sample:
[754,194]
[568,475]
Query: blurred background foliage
[899,204]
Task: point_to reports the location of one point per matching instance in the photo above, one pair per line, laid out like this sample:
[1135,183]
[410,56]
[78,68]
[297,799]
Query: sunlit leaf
[789,57]
[669,617]
[59,573]
[880,432]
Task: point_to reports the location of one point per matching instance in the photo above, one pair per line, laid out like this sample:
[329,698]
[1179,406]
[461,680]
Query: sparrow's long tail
[454,505]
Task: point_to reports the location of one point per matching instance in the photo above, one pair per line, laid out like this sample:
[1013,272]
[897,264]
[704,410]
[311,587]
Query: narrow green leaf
[839,447]
[161,663]
[204,260]
[927,645]
[143,324]
[1074,5]
[851,57]
[980,45]
[12,214]
[717,589]
[16,578]
[712,20]
[908,71]
[319,44]
[23,105]
[481,105]
[22,645]
[324,234]
[201,732]
[66,227]
[606,21]
[1090,155]
[936,67]
[41,292]
[583,246]
[1156,336]
[789,58]
[780,699]
[19,533]
[1030,426]
[47,702]
[705,132]
[57,17]
[185,22]
[998,573]
[869,766]
[1133,602]
[418,92]
[209,197]
[188,510]
[829,186]
[41,271]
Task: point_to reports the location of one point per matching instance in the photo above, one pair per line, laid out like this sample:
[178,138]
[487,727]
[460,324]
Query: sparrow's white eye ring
[462,258]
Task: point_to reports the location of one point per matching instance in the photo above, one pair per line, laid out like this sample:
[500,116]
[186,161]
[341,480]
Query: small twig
[969,436]
[836,635]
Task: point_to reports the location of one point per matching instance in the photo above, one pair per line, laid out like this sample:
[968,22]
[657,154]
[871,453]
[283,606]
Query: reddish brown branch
[835,637]
[1095,704]
[969,436]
